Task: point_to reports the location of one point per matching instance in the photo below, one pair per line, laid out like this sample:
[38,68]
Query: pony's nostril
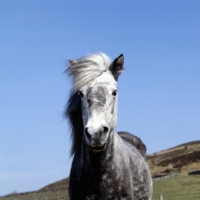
[105,129]
[87,133]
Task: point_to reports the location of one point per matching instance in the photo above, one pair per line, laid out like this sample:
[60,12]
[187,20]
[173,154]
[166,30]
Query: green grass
[59,195]
[175,188]
[178,188]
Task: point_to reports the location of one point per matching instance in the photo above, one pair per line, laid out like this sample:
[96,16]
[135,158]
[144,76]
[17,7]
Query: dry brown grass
[181,159]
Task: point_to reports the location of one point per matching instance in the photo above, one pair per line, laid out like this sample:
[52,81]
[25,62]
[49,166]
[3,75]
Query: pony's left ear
[116,66]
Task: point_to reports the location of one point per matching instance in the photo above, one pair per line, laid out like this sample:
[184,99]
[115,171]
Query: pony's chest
[108,187]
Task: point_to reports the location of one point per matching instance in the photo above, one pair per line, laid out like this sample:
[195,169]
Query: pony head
[95,87]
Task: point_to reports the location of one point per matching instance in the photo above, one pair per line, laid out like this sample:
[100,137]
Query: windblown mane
[73,113]
[87,68]
[82,70]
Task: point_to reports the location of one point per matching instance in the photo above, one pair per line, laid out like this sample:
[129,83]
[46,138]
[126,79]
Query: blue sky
[159,93]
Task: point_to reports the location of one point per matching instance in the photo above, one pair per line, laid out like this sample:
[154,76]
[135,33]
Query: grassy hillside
[58,195]
[178,188]
[54,187]
[54,191]
[175,188]
[180,159]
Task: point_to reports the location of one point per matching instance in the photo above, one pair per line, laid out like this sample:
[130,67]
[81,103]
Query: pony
[106,165]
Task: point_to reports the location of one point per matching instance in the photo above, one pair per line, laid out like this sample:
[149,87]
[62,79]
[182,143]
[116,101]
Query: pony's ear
[116,66]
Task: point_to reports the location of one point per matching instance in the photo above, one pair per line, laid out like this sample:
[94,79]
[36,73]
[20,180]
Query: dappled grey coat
[106,165]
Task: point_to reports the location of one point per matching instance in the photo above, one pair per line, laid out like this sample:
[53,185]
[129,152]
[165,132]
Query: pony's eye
[80,94]
[114,93]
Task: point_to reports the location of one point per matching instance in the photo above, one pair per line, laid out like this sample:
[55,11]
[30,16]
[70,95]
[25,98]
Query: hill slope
[181,159]
[57,186]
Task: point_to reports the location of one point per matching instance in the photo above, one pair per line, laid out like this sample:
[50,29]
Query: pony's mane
[85,69]
[73,113]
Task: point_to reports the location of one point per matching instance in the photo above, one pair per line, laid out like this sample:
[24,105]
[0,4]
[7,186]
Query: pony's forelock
[87,68]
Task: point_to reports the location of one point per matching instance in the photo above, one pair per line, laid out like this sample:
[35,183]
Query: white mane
[87,68]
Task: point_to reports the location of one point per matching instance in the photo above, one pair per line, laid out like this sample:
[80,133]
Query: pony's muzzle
[97,137]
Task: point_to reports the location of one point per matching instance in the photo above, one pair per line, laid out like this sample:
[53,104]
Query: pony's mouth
[98,149]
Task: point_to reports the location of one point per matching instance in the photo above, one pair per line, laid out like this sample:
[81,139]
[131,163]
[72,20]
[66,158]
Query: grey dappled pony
[106,165]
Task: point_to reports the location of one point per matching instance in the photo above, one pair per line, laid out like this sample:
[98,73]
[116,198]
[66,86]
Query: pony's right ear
[116,66]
